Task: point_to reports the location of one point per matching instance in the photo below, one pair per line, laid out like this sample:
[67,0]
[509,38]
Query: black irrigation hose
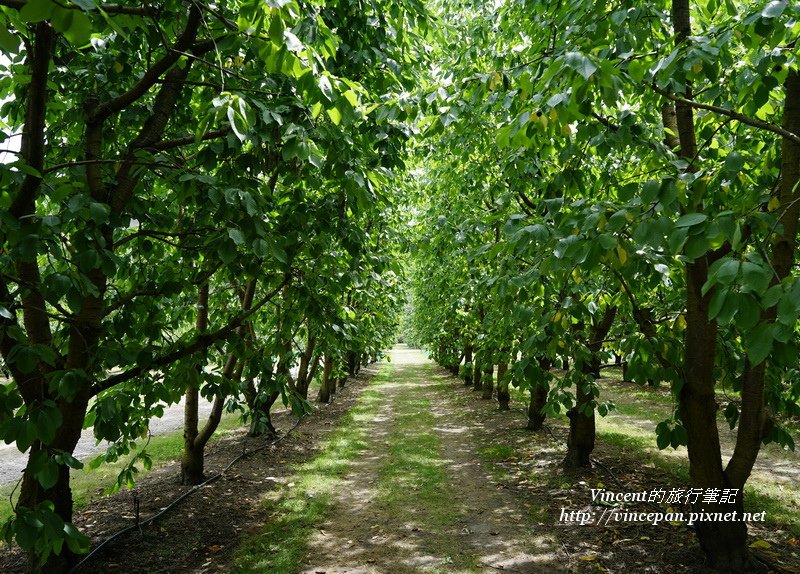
[195,488]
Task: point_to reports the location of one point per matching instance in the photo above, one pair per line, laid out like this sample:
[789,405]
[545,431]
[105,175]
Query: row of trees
[615,180]
[199,207]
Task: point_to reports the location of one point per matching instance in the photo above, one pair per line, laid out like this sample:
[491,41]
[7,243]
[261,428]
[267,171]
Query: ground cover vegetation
[236,200]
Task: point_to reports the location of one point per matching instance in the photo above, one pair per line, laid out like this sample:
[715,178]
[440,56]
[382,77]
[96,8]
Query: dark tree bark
[194,438]
[352,363]
[580,441]
[536,416]
[305,372]
[725,543]
[488,382]
[328,386]
[477,376]
[503,395]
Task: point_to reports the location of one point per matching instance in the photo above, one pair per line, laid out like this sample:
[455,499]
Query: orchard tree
[148,220]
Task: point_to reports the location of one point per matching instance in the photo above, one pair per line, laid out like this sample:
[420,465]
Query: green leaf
[293,43]
[9,42]
[758,343]
[36,10]
[278,253]
[748,314]
[335,115]
[755,277]
[734,162]
[238,123]
[580,63]
[663,439]
[772,296]
[679,436]
[260,248]
[636,70]
[774,9]
[696,246]
[276,28]
[691,219]
[48,475]
[728,271]
[237,236]
[80,30]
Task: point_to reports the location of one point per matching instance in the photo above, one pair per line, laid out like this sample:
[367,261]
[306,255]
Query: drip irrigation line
[138,525]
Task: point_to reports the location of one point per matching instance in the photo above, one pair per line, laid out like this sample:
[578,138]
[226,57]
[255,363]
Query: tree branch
[754,122]
[140,88]
[107,8]
[201,342]
[188,140]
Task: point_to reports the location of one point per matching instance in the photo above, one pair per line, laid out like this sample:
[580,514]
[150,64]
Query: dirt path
[418,499]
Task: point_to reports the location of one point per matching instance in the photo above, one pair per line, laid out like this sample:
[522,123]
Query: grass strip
[413,482]
[297,511]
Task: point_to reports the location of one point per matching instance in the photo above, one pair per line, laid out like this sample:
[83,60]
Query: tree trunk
[538,399]
[194,438]
[488,383]
[312,371]
[539,391]
[261,420]
[580,442]
[192,460]
[325,390]
[304,373]
[503,396]
[468,366]
[477,376]
[725,543]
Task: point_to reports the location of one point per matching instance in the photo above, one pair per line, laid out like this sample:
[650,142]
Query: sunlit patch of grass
[780,503]
[295,513]
[88,484]
[497,452]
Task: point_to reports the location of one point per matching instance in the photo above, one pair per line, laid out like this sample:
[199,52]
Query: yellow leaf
[589,557]
[622,254]
[543,120]
[553,115]
[761,544]
[773,204]
[566,131]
